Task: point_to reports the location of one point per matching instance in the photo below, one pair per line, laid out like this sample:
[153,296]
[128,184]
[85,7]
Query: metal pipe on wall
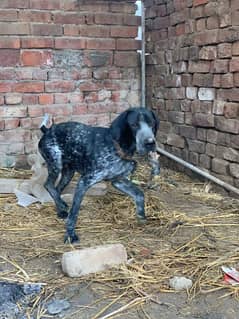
[198,171]
[143,104]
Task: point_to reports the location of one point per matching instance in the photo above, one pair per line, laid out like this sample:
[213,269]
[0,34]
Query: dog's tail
[43,127]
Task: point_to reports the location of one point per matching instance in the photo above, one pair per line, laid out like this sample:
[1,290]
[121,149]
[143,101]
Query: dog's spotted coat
[97,153]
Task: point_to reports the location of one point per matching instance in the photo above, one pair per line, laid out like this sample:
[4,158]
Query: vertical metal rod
[143,88]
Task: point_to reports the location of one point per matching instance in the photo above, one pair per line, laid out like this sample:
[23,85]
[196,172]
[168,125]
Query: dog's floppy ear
[121,132]
[156,123]
[119,125]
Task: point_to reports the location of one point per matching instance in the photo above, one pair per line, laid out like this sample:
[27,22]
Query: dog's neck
[121,152]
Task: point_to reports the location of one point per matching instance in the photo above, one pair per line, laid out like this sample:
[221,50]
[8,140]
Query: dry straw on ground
[189,232]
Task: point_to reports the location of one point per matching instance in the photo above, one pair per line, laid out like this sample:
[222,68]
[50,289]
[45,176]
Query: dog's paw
[71,239]
[62,214]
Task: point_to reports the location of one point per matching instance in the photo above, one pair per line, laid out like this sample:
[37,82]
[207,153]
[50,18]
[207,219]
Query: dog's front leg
[127,187]
[83,185]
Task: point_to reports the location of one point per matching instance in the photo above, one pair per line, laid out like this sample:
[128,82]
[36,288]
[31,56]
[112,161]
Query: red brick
[6,87]
[13,98]
[236,79]
[76,98]
[60,98]
[234,4]
[132,20]
[212,22]
[124,32]
[9,42]
[108,18]
[1,99]
[219,66]
[228,35]
[94,6]
[29,87]
[235,48]
[2,125]
[227,80]
[94,31]
[37,42]
[39,74]
[13,111]
[163,23]
[199,2]
[18,4]
[35,110]
[45,4]
[234,65]
[208,53]
[69,18]
[71,30]
[61,110]
[128,44]
[8,15]
[46,29]
[235,17]
[123,7]
[200,67]
[7,74]
[90,86]
[100,44]
[12,123]
[36,16]
[14,28]
[201,24]
[231,110]
[206,37]
[59,86]
[30,99]
[127,59]
[24,74]
[228,95]
[180,29]
[36,58]
[224,50]
[70,5]
[227,125]
[9,57]
[27,123]
[46,99]
[70,43]
[18,135]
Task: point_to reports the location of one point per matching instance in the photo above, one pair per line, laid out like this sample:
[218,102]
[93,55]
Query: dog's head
[135,130]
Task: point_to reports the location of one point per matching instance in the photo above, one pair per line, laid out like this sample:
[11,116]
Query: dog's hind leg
[66,176]
[128,188]
[61,206]
[84,183]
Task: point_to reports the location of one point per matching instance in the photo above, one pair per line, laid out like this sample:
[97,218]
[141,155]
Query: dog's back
[73,143]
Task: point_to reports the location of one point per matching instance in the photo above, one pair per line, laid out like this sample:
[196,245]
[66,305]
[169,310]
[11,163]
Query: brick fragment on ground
[90,260]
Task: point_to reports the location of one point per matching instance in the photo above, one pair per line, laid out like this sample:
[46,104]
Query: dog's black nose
[150,144]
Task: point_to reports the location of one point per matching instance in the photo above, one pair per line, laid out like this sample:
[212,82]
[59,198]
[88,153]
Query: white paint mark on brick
[206,94]
[191,93]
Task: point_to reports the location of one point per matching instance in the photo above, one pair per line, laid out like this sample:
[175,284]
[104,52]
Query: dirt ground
[190,232]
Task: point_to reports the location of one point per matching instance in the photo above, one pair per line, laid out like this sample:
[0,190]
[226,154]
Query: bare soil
[190,232]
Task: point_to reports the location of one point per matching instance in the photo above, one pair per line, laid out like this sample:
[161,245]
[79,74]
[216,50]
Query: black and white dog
[97,153]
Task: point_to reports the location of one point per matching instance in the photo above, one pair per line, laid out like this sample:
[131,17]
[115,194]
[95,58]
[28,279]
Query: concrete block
[90,260]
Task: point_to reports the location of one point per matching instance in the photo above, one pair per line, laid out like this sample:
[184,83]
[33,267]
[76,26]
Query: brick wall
[193,80]
[74,59]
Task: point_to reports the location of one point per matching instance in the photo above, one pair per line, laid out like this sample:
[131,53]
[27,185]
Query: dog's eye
[134,125]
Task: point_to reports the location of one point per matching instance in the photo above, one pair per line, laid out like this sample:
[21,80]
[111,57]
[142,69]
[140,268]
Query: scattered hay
[189,233]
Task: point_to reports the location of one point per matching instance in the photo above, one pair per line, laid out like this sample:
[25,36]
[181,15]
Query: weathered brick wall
[193,80]
[74,59]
